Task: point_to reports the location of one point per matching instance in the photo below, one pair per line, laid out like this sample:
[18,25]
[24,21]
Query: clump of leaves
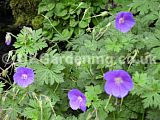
[69,17]
[29,41]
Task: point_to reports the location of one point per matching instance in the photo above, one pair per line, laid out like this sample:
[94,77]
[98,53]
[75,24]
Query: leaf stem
[52,25]
[110,96]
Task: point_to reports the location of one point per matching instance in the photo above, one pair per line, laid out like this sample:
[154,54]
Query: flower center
[121,20]
[24,76]
[118,80]
[79,98]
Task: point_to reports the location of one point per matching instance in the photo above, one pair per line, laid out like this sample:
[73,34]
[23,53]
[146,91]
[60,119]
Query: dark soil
[6,25]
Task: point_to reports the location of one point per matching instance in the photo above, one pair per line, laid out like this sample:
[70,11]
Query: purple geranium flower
[118,84]
[124,21]
[77,99]
[24,76]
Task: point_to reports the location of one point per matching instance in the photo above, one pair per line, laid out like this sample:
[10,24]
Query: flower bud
[8,39]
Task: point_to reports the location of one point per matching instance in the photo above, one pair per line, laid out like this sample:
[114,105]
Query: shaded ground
[6,21]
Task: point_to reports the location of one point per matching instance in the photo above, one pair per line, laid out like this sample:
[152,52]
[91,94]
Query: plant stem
[110,96]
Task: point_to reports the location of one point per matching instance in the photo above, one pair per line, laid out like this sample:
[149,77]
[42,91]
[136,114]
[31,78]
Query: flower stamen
[118,80]
[24,76]
[121,20]
[80,99]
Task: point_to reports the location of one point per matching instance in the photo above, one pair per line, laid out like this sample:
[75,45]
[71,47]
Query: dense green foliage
[74,28]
